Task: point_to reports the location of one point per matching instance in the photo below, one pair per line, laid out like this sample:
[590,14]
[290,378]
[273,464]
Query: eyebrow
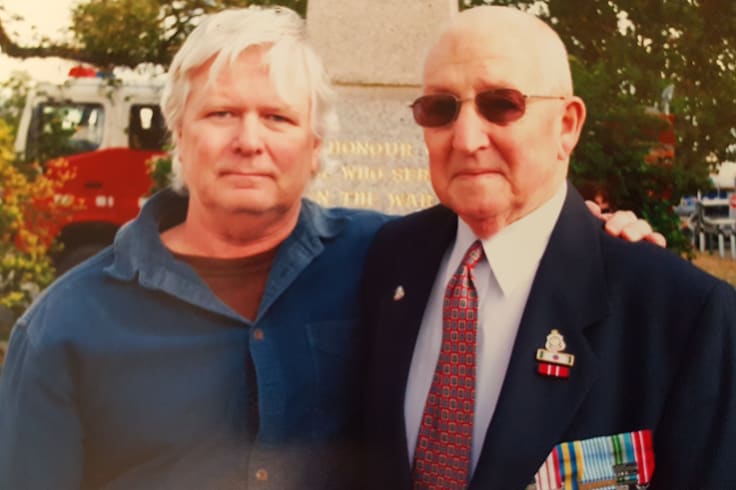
[222,100]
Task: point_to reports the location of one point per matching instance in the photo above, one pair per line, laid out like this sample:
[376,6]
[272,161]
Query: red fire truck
[107,130]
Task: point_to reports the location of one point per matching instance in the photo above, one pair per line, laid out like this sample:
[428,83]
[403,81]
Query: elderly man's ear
[573,117]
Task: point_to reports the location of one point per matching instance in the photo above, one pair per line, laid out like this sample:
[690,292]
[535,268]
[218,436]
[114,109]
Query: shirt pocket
[336,348]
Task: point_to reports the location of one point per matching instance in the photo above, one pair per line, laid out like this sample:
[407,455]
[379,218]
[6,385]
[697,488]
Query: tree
[617,156]
[27,209]
[14,92]
[128,33]
[625,54]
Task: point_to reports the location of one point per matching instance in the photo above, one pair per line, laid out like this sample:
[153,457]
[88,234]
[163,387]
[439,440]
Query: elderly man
[512,343]
[216,344]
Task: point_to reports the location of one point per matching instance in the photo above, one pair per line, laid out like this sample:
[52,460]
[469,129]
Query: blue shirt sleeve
[40,430]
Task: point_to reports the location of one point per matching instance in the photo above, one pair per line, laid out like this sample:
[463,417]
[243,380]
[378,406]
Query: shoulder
[642,270]
[415,241]
[645,276]
[660,273]
[340,221]
[417,227]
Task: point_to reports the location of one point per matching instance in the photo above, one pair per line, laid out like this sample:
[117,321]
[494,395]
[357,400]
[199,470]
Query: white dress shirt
[504,281]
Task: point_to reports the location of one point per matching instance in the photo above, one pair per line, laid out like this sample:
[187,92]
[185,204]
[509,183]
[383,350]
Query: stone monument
[374,52]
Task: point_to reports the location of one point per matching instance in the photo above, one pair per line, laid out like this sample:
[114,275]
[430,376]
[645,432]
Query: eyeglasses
[500,106]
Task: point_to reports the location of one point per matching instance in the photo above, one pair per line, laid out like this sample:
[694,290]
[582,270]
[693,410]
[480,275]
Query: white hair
[222,37]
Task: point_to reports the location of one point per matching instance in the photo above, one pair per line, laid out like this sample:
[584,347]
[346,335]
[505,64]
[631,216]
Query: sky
[51,18]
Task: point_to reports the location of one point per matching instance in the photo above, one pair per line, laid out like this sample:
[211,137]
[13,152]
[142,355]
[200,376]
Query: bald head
[494,31]
[502,143]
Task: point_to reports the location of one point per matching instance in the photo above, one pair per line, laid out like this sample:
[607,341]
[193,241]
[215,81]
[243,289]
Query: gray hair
[222,37]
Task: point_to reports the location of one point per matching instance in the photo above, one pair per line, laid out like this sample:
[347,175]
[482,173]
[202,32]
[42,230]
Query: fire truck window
[59,129]
[147,129]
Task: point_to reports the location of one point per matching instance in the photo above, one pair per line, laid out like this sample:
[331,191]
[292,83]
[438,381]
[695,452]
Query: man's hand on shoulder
[625,224]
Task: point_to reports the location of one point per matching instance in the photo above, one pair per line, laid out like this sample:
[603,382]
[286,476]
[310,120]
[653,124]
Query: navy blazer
[653,338]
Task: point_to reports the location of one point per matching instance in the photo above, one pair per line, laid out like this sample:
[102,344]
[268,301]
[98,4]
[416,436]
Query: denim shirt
[129,373]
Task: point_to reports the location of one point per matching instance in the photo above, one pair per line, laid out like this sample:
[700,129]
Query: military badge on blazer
[552,360]
[617,462]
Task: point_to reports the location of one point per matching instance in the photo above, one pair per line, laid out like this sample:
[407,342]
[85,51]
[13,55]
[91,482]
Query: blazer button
[258,334]
[261,474]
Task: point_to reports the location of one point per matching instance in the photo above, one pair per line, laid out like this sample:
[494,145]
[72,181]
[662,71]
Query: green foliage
[13,96]
[614,156]
[627,52]
[6,140]
[28,211]
[27,208]
[55,139]
[132,32]
[159,168]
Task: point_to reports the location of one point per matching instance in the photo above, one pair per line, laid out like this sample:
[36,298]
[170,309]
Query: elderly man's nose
[469,130]
[249,135]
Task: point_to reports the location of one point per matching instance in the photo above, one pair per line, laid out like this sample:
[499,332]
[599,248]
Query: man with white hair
[513,344]
[215,345]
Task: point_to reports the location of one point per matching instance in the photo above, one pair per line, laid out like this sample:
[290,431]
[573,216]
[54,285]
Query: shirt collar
[514,253]
[138,247]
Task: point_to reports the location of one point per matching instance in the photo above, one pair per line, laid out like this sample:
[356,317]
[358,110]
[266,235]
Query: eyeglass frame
[459,103]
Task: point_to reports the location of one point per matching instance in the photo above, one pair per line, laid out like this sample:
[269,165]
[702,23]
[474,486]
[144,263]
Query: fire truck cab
[107,130]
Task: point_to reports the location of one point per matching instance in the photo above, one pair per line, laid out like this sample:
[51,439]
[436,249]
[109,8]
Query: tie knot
[473,255]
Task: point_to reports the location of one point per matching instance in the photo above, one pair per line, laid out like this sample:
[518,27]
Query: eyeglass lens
[497,106]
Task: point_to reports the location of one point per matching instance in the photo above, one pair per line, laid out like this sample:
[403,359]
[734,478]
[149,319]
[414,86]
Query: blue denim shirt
[129,373]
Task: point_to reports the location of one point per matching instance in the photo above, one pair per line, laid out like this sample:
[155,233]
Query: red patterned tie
[442,457]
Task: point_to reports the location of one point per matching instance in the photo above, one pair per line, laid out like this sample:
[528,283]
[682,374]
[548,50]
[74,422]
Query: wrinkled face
[485,170]
[243,148]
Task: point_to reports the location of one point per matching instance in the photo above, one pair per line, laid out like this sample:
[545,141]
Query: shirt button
[261,474]
[258,334]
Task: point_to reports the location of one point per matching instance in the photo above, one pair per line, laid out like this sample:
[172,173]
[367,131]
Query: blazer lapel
[534,411]
[417,261]
[416,272]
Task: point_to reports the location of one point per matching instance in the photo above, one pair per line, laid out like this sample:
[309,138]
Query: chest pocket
[337,357]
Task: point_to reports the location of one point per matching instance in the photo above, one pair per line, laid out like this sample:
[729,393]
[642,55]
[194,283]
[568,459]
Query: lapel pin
[399,293]
[553,361]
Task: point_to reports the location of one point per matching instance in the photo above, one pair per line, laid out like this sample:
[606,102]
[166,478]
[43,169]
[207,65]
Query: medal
[552,360]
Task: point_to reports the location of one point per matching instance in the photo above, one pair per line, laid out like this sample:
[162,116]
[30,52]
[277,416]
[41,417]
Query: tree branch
[65,51]
[10,48]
